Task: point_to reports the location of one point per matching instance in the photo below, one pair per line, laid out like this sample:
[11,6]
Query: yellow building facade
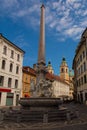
[28,77]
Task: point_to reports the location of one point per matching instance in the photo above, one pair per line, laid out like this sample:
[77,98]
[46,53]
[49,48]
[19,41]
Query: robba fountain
[42,102]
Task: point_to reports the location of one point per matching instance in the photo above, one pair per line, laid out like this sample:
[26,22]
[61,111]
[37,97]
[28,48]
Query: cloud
[67,17]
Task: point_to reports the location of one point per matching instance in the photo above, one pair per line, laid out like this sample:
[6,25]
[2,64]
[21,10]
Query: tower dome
[64,63]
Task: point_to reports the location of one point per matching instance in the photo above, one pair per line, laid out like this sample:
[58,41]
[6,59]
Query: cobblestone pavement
[79,123]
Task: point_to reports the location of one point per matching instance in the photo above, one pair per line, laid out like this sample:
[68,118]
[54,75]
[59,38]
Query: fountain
[42,106]
[42,97]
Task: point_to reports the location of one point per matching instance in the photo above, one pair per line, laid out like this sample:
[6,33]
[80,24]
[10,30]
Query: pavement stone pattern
[79,123]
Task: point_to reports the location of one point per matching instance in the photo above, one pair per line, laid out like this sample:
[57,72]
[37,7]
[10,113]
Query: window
[11,67]
[9,82]
[83,54]
[84,78]
[77,83]
[16,83]
[66,70]
[1,80]
[80,57]
[12,54]
[84,66]
[17,69]
[5,50]
[81,69]
[78,61]
[18,57]
[62,70]
[3,64]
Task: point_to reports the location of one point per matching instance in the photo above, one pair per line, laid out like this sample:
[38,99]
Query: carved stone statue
[32,88]
[44,88]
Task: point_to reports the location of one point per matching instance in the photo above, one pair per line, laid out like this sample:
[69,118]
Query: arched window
[17,69]
[16,83]
[62,70]
[11,67]
[84,66]
[66,70]
[12,54]
[3,64]
[18,57]
[9,82]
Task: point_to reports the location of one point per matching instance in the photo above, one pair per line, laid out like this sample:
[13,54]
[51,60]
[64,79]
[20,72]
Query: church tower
[50,68]
[64,70]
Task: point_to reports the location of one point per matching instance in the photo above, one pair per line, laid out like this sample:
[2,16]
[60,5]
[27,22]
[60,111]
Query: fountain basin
[40,102]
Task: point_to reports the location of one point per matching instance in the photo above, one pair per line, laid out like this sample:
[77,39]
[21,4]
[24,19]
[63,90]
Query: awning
[5,90]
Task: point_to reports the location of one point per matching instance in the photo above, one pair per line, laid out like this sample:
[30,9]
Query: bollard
[45,118]
[77,113]
[68,116]
[18,119]
[1,116]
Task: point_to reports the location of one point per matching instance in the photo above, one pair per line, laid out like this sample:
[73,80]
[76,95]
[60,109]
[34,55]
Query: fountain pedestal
[42,109]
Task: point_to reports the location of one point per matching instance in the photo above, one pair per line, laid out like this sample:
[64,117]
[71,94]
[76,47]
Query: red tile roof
[55,77]
[29,70]
[49,76]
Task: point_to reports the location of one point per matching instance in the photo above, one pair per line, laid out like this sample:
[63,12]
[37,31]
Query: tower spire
[41,53]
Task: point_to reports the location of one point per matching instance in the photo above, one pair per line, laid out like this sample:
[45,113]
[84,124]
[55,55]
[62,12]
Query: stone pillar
[41,53]
[41,68]
[68,116]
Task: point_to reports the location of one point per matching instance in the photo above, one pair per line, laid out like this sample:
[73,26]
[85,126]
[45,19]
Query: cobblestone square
[79,123]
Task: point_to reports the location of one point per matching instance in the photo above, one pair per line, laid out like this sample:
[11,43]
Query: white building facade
[11,59]
[60,88]
[80,69]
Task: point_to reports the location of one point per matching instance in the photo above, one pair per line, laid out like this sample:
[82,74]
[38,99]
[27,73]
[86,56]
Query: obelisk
[41,68]
[41,53]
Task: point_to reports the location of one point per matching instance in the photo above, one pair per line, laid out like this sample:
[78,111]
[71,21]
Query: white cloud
[9,3]
[67,17]
[53,24]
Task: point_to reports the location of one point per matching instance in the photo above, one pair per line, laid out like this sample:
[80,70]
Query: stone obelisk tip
[42,6]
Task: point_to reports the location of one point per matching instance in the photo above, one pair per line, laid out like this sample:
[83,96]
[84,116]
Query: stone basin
[40,102]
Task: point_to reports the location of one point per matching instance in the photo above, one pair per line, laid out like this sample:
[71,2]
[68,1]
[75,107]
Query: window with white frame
[5,50]
[9,82]
[16,83]
[18,57]
[1,80]
[3,64]
[12,54]
[11,67]
[84,66]
[17,69]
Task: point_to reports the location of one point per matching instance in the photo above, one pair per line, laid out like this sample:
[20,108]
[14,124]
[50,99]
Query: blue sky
[65,21]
